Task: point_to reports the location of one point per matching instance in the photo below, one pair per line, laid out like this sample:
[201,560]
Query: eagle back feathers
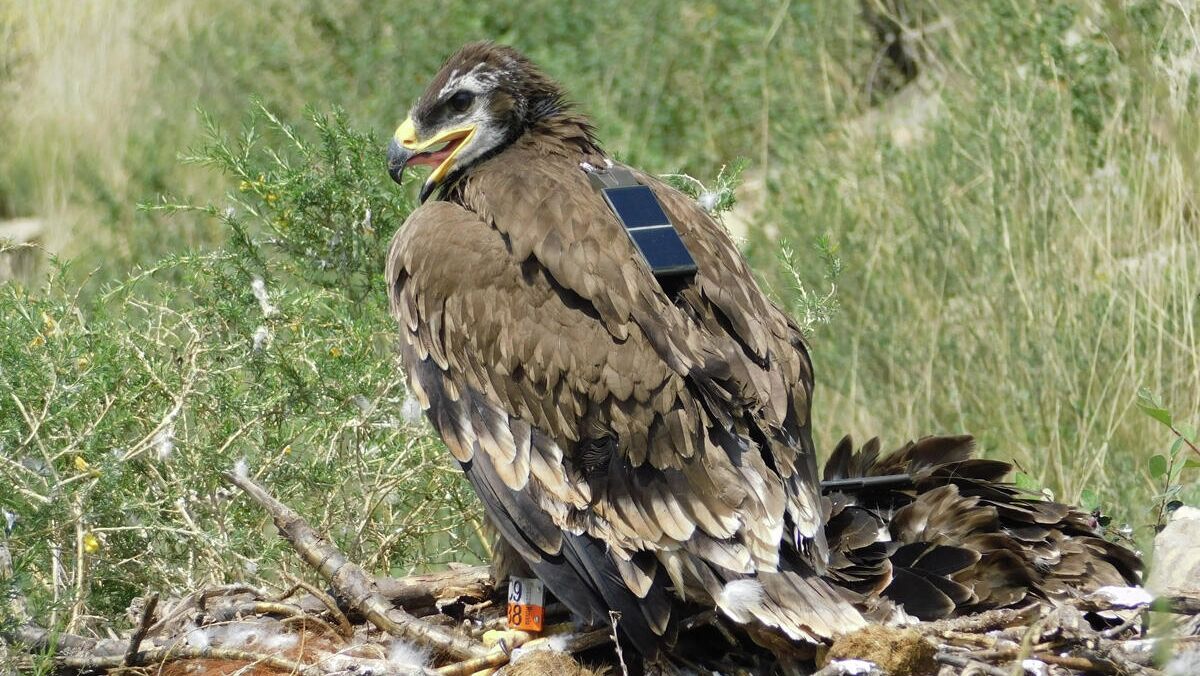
[636,448]
[533,330]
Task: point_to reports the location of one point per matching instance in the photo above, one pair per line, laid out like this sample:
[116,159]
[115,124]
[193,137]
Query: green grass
[1017,232]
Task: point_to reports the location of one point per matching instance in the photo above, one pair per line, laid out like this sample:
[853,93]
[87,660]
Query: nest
[453,622]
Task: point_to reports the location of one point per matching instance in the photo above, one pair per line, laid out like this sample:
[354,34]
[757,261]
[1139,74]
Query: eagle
[644,445]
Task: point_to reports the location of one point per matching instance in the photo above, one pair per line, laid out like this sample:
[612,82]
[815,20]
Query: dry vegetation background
[1016,228]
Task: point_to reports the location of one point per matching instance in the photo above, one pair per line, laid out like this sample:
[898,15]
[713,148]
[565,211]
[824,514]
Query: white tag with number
[526,603]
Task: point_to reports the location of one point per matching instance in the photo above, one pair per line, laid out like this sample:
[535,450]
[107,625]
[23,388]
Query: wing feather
[533,330]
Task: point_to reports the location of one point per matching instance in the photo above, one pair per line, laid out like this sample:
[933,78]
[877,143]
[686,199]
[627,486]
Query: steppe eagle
[643,443]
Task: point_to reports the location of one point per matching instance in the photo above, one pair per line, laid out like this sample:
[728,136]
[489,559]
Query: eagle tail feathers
[959,538]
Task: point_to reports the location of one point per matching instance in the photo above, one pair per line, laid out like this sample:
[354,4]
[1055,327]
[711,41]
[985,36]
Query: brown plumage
[960,539]
[635,448]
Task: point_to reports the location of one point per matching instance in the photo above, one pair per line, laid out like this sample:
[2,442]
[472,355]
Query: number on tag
[526,607]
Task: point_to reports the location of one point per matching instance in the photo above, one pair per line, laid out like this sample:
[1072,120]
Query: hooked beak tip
[397,159]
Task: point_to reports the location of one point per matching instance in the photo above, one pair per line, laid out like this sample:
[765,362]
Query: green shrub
[119,410]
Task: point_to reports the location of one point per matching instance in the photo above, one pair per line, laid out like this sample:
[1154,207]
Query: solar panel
[651,230]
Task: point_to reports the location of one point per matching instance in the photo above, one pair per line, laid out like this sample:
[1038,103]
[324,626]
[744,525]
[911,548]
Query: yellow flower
[244,186]
[37,341]
[287,450]
[49,322]
[91,543]
[81,464]
[82,362]
[335,351]
[271,197]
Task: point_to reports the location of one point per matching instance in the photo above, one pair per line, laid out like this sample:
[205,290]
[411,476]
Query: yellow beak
[406,137]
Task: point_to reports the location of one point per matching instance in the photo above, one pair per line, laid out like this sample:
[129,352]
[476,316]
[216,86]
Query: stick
[199,599]
[1078,663]
[143,627]
[989,619]
[574,644]
[160,655]
[964,661]
[39,639]
[420,591]
[344,626]
[614,617]
[1132,620]
[351,581]
[1094,666]
[289,613]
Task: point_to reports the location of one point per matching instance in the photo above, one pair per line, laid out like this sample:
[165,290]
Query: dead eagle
[640,449]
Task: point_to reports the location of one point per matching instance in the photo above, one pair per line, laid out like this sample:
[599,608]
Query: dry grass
[1018,268]
[85,82]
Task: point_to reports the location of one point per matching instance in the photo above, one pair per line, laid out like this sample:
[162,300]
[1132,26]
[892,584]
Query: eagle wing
[621,443]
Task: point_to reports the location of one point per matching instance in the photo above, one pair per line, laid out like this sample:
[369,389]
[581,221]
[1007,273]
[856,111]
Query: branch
[570,644]
[349,580]
[965,661]
[987,620]
[161,655]
[344,627]
[135,641]
[422,591]
[40,639]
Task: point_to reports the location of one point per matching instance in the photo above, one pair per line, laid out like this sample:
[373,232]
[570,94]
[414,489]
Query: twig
[614,617]
[1113,632]
[990,619]
[168,654]
[570,644]
[978,640]
[135,641]
[464,668]
[40,639]
[349,580]
[1032,634]
[228,590]
[289,612]
[1076,662]
[1186,441]
[964,661]
[1097,666]
[186,387]
[303,617]
[199,600]
[344,626]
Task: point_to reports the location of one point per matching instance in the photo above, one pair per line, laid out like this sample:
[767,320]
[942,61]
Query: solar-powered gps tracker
[645,222]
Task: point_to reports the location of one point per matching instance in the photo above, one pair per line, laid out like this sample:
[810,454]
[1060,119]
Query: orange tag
[526,608]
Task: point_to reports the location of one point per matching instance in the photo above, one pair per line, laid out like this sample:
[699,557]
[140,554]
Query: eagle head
[483,98]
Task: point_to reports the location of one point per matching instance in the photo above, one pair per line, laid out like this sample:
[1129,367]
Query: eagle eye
[461,100]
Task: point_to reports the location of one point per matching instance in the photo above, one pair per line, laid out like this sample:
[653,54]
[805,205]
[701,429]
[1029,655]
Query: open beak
[438,152]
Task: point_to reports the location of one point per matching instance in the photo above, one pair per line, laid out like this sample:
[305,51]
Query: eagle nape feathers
[645,448]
